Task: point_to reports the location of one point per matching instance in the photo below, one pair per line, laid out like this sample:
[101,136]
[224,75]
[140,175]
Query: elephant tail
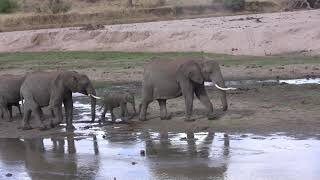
[224,89]
[96,97]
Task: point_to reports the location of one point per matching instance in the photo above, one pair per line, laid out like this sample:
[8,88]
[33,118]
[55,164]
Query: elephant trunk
[91,90]
[220,84]
[134,106]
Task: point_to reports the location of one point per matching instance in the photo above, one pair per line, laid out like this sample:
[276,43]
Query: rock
[8,175]
[142,152]
[133,163]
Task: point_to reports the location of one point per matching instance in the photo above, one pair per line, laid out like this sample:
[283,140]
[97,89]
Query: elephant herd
[163,79]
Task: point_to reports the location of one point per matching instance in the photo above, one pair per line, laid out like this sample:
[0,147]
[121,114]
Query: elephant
[183,76]
[117,99]
[41,89]
[10,94]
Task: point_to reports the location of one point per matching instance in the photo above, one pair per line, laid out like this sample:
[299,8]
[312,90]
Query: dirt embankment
[261,34]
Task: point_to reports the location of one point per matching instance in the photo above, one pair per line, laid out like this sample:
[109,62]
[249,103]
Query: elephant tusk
[224,89]
[96,97]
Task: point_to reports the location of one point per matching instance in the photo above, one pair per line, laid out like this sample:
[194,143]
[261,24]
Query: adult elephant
[10,94]
[51,89]
[166,79]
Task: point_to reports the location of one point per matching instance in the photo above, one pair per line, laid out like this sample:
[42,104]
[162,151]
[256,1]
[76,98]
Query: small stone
[142,153]
[8,174]
[133,163]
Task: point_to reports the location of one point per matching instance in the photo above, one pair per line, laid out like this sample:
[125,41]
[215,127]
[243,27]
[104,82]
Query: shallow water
[271,81]
[204,155]
[97,153]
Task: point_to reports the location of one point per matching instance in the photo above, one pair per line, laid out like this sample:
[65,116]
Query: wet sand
[263,107]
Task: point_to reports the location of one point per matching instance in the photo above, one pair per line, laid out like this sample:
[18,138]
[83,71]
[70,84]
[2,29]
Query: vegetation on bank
[82,60]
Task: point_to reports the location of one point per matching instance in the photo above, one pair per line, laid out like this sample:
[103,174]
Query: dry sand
[277,33]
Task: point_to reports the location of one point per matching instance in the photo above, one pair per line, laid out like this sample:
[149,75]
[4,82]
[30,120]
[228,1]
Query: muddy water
[122,152]
[204,155]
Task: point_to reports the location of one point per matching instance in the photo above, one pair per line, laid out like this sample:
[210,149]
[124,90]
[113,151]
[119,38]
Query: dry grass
[84,12]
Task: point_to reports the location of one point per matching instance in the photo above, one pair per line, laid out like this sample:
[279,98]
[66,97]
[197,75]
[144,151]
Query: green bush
[58,6]
[7,6]
[234,5]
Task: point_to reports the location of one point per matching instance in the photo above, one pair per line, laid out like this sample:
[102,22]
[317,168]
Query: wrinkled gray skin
[118,99]
[166,79]
[41,89]
[10,94]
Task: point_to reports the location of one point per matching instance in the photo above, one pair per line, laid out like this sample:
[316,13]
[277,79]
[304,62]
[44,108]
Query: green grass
[74,59]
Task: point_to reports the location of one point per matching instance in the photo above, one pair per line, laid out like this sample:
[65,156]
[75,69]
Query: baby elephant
[117,99]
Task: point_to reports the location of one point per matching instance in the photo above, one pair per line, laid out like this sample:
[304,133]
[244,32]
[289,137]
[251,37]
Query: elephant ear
[192,71]
[56,91]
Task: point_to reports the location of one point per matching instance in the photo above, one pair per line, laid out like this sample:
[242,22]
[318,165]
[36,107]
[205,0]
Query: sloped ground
[261,34]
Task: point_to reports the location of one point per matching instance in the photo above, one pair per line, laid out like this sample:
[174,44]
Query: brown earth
[259,109]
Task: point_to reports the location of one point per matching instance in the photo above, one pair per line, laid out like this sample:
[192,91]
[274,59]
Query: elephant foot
[53,125]
[189,119]
[26,127]
[212,116]
[70,128]
[225,108]
[43,128]
[168,117]
[142,119]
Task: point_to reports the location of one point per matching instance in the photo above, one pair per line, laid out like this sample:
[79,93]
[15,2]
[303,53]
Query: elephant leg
[19,109]
[163,109]
[187,91]
[10,112]
[5,113]
[189,106]
[113,118]
[59,117]
[103,115]
[143,109]
[68,105]
[202,95]
[1,113]
[26,118]
[124,112]
[39,115]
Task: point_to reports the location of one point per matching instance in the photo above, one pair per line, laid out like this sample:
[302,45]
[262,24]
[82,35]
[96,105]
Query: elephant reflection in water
[188,154]
[54,163]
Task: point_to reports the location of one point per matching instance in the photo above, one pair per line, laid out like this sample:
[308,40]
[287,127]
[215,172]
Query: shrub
[234,5]
[151,3]
[7,6]
[58,6]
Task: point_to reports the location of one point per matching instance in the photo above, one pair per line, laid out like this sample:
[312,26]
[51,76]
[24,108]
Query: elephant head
[80,83]
[211,72]
[130,99]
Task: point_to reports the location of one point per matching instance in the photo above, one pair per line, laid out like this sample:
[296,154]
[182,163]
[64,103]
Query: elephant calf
[117,99]
[10,94]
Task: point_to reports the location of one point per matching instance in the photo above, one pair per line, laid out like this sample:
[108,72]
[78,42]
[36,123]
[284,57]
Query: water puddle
[152,155]
[280,81]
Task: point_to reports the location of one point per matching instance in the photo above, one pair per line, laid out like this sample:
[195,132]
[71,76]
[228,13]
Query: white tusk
[96,97]
[224,89]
